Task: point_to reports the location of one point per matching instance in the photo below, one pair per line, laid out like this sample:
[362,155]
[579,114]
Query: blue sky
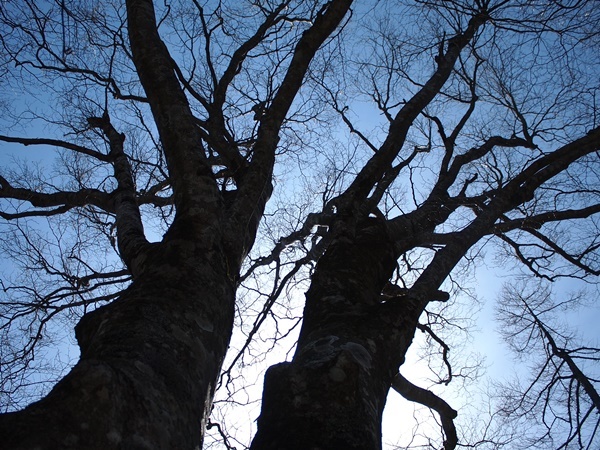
[485,283]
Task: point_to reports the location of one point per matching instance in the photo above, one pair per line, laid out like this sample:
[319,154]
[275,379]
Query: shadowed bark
[148,365]
[150,360]
[332,393]
[403,211]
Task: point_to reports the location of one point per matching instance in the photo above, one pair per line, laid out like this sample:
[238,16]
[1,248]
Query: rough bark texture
[353,340]
[148,366]
[332,394]
[150,360]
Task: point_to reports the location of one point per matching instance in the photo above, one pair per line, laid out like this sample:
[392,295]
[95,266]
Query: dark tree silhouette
[179,116]
[561,394]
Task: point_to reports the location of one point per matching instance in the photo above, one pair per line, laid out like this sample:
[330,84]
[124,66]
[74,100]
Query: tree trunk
[332,394]
[149,362]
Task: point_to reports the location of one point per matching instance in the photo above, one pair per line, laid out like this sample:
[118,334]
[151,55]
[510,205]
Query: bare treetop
[182,171]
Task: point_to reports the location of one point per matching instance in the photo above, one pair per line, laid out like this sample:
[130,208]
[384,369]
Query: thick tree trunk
[149,363]
[332,394]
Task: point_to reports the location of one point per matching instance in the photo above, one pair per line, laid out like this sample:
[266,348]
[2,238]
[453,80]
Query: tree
[183,112]
[561,394]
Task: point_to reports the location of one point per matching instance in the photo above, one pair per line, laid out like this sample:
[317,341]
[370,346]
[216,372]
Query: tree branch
[57,143]
[188,169]
[427,398]
[372,172]
[132,242]
[256,189]
[65,200]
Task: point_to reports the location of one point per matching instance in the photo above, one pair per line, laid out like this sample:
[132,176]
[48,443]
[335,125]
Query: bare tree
[150,359]
[561,394]
[476,183]
[488,132]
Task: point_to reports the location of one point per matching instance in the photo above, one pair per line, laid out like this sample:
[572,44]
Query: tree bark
[149,362]
[332,394]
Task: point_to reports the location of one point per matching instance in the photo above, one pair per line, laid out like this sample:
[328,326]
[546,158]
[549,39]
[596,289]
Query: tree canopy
[317,177]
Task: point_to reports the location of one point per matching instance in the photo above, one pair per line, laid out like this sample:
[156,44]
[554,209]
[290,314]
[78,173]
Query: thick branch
[256,188]
[553,163]
[130,230]
[64,200]
[381,161]
[427,398]
[190,175]
[517,191]
[537,220]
